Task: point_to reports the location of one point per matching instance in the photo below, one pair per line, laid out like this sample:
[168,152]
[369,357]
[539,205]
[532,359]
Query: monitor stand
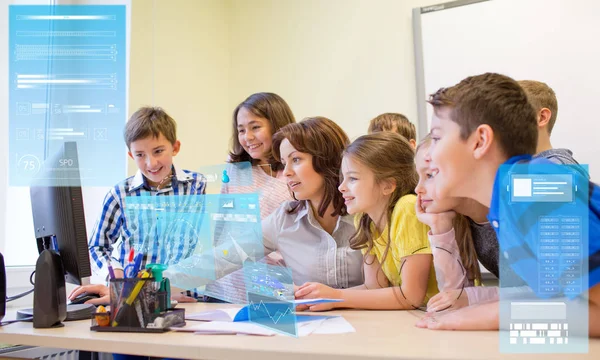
[74,312]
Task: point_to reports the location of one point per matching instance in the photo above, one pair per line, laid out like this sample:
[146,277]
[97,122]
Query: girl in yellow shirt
[379,179]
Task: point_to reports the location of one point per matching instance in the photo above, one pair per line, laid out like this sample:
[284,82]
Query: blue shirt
[517,230]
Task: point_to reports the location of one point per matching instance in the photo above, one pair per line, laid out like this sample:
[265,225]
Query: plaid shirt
[112,238]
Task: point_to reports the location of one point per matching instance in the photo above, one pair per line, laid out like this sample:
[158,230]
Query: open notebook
[236,314]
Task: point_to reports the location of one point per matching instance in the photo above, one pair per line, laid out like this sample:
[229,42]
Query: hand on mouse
[102,291]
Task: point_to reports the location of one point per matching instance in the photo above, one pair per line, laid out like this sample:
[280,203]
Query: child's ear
[176,147]
[544,117]
[389,186]
[130,155]
[413,143]
[483,137]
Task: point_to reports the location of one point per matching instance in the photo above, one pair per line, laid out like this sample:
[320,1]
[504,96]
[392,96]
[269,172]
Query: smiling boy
[150,135]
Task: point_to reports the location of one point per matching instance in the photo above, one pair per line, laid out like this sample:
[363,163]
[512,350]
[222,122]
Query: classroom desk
[379,335]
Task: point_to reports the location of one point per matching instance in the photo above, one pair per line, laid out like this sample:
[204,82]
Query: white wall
[346,60]
[180,56]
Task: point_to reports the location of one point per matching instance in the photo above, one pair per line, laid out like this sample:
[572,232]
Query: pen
[111,272]
[137,264]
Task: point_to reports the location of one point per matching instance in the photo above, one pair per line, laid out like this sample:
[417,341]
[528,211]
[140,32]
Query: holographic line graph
[278,314]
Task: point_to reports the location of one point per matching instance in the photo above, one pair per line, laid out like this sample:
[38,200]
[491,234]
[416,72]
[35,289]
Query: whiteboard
[554,41]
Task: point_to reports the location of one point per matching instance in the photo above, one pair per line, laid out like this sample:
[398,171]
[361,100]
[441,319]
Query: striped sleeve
[107,230]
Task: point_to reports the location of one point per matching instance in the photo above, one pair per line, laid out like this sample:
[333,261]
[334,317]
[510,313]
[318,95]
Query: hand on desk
[475,317]
[312,290]
[101,290]
[183,298]
[451,299]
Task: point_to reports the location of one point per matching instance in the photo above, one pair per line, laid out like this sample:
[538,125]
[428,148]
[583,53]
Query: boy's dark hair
[495,100]
[268,106]
[541,96]
[391,122]
[150,121]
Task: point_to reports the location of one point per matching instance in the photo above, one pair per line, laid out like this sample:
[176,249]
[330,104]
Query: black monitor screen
[58,217]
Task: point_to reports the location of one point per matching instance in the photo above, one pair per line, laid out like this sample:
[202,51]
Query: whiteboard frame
[422,125]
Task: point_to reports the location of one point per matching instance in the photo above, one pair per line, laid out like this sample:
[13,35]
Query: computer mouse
[83,297]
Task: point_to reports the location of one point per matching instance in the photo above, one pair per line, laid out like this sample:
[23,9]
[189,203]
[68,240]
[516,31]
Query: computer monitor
[58,217]
[59,227]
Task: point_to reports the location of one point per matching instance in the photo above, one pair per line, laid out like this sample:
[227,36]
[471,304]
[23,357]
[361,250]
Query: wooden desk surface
[379,335]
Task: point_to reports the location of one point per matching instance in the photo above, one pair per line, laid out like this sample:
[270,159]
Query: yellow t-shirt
[409,237]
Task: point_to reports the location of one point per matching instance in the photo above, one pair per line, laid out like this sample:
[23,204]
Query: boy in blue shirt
[150,135]
[478,125]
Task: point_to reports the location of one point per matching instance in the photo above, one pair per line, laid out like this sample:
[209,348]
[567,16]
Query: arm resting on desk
[375,294]
[475,317]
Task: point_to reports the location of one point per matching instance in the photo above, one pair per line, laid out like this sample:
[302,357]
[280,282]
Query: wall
[347,60]
[180,59]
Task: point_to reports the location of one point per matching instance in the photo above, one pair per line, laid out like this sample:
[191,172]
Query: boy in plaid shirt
[150,135]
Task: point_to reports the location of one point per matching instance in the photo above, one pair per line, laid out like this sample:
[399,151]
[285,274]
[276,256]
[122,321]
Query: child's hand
[183,298]
[439,223]
[312,290]
[102,291]
[451,299]
[475,317]
[322,307]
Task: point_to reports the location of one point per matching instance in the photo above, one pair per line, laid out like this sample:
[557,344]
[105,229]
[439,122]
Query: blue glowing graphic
[274,313]
[67,73]
[270,294]
[543,238]
[201,237]
[269,280]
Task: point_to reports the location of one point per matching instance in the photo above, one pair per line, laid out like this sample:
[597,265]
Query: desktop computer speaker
[50,293]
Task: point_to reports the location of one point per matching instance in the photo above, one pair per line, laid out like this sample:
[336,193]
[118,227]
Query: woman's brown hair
[267,106]
[390,157]
[462,230]
[325,141]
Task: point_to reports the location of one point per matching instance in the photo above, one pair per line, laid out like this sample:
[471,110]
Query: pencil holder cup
[137,305]
[133,302]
